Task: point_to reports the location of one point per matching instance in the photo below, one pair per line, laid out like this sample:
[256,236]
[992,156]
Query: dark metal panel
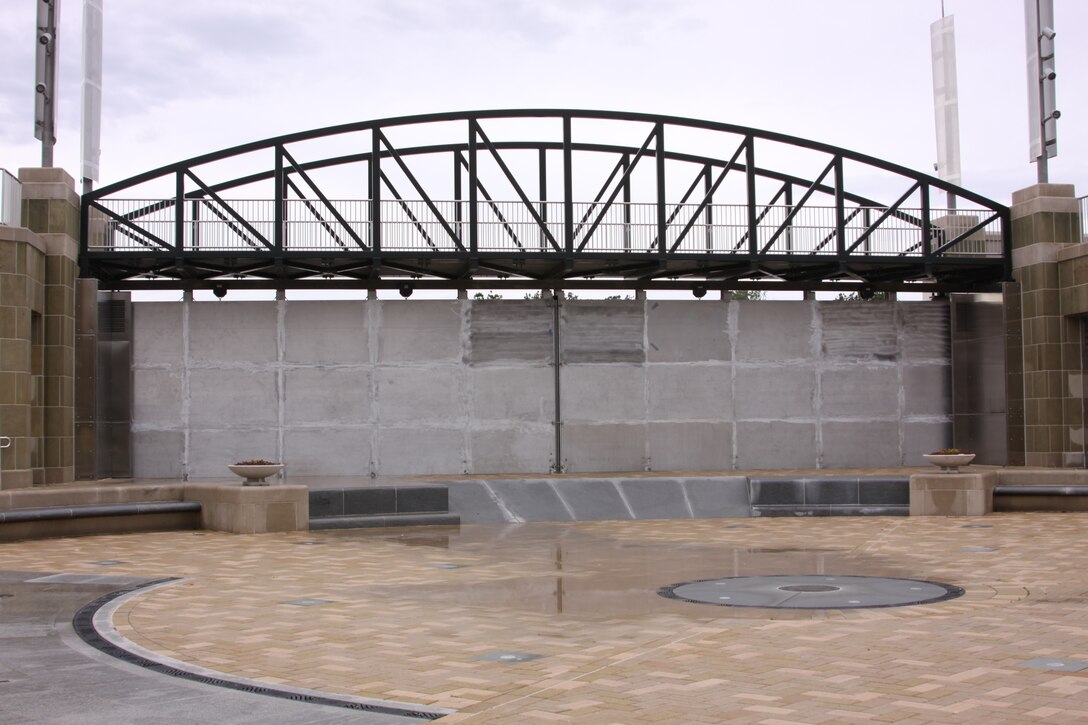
[113,385]
[979,376]
[86,341]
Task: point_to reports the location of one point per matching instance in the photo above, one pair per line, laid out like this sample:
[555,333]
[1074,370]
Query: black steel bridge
[542,199]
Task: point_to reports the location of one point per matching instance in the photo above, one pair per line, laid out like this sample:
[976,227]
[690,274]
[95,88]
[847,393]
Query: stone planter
[255,475]
[950,462]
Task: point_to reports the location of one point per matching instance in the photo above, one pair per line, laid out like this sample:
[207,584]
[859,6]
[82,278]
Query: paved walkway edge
[94,624]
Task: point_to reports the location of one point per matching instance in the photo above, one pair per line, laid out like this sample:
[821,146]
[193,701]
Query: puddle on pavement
[580,570]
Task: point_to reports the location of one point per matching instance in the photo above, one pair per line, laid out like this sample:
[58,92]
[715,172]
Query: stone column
[22,304]
[1045,223]
[51,210]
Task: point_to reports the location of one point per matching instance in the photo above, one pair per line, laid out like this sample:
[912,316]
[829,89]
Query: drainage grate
[809,591]
[83,624]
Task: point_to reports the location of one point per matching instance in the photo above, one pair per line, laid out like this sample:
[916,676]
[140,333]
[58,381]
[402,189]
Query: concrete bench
[49,521]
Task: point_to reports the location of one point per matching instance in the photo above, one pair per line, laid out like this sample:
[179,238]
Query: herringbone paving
[425,615]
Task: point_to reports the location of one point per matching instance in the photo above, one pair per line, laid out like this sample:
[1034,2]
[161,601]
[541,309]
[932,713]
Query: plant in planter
[950,459]
[255,471]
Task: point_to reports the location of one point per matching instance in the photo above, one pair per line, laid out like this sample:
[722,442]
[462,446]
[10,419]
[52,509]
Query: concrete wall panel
[690,392]
[523,449]
[333,451]
[516,394]
[418,450]
[420,394]
[158,453]
[603,392]
[862,444]
[603,332]
[604,447]
[157,397]
[924,437]
[212,450]
[230,397]
[690,446]
[860,392]
[927,390]
[327,395]
[420,331]
[792,325]
[329,331]
[157,333]
[859,330]
[679,331]
[504,331]
[925,330]
[776,445]
[775,392]
[232,332]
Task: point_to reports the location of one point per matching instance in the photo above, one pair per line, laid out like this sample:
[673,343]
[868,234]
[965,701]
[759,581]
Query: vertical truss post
[473,194]
[867,216]
[542,182]
[708,191]
[626,162]
[568,190]
[279,231]
[927,226]
[194,225]
[750,185]
[661,217]
[840,212]
[375,191]
[179,214]
[788,234]
[458,218]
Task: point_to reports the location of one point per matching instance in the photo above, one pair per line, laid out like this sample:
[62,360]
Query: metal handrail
[11,199]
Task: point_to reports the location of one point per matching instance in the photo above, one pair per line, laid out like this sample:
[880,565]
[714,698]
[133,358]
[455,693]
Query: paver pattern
[418,616]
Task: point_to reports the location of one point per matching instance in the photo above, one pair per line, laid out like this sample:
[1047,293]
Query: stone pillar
[22,307]
[51,210]
[1045,222]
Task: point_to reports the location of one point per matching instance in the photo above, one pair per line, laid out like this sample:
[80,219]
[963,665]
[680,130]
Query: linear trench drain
[811,591]
[83,623]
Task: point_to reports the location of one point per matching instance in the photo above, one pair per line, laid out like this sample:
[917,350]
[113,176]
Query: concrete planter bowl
[254,475]
[950,462]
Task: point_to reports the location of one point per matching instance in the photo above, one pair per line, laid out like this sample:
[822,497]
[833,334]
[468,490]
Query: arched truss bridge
[542,199]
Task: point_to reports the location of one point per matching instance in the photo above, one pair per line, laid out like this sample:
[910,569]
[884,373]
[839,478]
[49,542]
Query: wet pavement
[564,622]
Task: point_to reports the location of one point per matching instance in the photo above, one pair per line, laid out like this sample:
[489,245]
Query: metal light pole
[45,78]
[1042,114]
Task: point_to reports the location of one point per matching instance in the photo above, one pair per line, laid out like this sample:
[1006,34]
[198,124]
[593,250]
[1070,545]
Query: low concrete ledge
[952,494]
[96,511]
[251,509]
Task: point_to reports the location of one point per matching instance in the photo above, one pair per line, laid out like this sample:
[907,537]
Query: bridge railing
[150,226]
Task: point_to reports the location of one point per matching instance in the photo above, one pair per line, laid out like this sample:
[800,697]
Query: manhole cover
[811,591]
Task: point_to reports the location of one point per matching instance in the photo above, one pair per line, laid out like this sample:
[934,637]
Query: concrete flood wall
[442,387]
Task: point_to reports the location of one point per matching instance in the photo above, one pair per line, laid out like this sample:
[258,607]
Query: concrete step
[373,521]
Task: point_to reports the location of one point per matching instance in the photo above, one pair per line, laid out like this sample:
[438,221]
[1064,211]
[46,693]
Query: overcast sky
[184,78]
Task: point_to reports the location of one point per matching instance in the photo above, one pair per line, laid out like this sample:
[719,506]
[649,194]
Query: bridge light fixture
[699,291]
[406,290]
[220,291]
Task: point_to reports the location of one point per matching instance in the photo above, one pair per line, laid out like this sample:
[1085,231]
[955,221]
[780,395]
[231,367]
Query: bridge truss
[542,199]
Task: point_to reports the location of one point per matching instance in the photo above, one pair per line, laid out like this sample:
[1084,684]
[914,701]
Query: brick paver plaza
[425,616]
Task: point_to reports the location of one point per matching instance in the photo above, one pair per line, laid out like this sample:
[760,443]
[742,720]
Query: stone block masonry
[458,386]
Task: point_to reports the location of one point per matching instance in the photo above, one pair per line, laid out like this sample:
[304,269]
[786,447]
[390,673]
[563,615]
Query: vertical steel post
[279,193]
[568,190]
[473,192]
[661,216]
[626,162]
[542,183]
[927,228]
[179,214]
[709,213]
[458,212]
[750,185]
[840,212]
[557,352]
[375,191]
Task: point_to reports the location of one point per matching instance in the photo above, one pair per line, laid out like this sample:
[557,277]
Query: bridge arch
[538,198]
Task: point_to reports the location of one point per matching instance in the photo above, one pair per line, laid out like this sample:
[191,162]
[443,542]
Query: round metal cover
[811,591]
